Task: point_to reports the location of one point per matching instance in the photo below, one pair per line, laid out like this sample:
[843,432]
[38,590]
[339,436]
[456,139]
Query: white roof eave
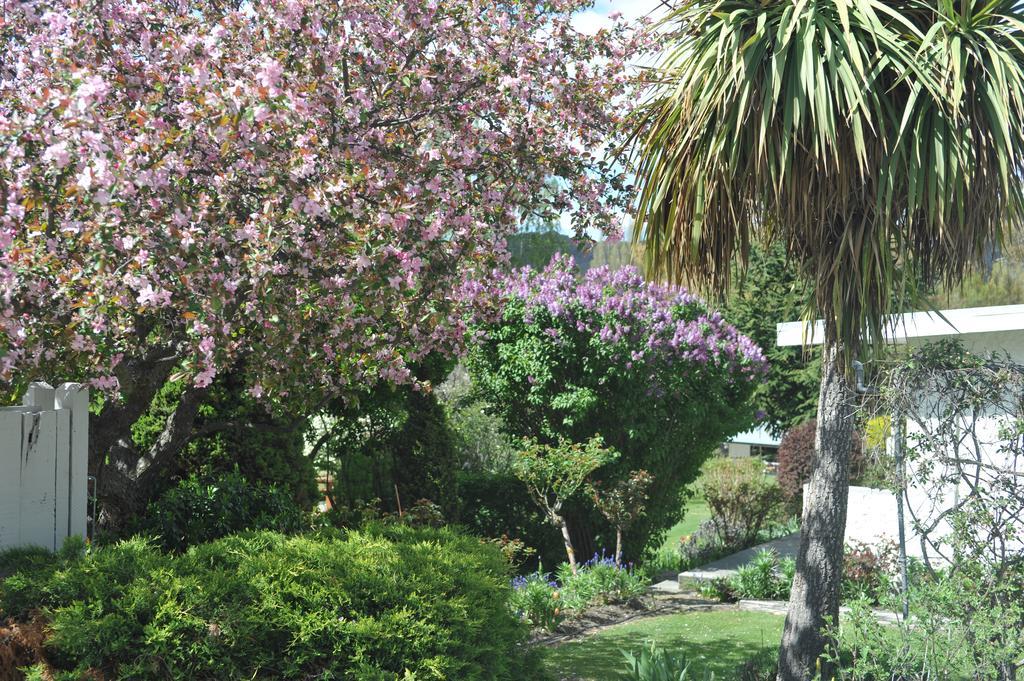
[917,325]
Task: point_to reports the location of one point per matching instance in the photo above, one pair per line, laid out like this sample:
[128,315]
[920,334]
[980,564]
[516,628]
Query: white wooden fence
[43,467]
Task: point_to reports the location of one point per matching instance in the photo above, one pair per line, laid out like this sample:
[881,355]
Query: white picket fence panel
[44,450]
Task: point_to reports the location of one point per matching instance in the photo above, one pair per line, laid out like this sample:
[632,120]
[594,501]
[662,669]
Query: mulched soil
[20,646]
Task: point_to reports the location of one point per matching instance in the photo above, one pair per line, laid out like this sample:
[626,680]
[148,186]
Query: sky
[592,20]
[596,17]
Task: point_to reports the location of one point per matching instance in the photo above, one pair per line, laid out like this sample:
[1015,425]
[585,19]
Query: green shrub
[964,624]
[196,511]
[666,559]
[742,499]
[600,581]
[536,599]
[652,663]
[766,577]
[386,602]
[498,505]
[545,602]
[233,431]
[393,443]
[717,589]
[24,572]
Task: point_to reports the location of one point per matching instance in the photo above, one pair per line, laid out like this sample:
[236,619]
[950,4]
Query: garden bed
[603,617]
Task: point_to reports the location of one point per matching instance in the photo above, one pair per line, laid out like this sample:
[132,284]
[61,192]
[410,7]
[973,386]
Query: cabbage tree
[879,142]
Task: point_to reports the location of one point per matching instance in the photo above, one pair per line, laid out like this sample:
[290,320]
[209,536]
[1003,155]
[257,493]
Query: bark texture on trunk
[567,538]
[618,547]
[814,599]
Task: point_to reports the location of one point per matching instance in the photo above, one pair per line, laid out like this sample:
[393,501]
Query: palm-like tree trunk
[814,599]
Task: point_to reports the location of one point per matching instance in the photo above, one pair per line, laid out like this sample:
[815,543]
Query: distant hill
[536,249]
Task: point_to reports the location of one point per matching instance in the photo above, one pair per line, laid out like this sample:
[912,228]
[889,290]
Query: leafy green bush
[391,443]
[536,599]
[962,625]
[868,571]
[717,589]
[742,498]
[666,559]
[24,572]
[498,505]
[196,511]
[385,602]
[545,602]
[652,663]
[233,431]
[600,581]
[651,369]
[766,577]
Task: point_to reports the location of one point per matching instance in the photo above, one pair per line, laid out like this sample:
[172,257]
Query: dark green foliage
[498,504]
[480,441]
[769,292]
[196,511]
[387,602]
[234,431]
[24,572]
[394,436]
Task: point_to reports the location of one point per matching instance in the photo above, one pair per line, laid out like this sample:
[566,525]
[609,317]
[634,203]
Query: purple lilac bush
[659,375]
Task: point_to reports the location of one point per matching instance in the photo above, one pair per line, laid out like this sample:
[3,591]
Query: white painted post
[74,397]
[40,395]
[10,475]
[61,475]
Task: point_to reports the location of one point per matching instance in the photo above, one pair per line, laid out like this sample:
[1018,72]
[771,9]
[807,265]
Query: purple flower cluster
[520,581]
[646,324]
[604,559]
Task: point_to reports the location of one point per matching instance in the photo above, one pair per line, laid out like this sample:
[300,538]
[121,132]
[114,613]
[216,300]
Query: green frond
[881,142]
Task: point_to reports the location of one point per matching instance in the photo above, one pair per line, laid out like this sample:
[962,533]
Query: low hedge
[384,602]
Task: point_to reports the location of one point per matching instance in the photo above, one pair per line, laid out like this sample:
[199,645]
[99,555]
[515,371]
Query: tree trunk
[814,599]
[564,527]
[618,547]
[129,476]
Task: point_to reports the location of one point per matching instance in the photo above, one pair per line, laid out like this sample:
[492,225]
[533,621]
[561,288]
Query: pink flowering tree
[292,189]
[660,377]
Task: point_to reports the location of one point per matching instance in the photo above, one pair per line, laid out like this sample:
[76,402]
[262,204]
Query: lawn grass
[697,511]
[718,640]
